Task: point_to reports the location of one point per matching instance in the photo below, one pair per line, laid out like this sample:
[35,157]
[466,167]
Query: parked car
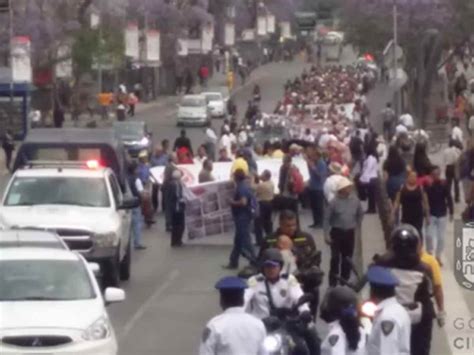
[193,111]
[134,136]
[216,104]
[50,303]
[82,204]
[30,238]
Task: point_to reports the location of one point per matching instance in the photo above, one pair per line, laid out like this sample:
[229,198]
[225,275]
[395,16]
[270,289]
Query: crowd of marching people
[326,109]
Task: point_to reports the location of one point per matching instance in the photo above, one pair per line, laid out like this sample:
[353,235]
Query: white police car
[50,303]
[83,204]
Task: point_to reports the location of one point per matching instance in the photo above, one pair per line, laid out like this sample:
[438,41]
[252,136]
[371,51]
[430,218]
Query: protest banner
[208,211]
[222,171]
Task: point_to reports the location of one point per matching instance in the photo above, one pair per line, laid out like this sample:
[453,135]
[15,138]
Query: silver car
[193,111]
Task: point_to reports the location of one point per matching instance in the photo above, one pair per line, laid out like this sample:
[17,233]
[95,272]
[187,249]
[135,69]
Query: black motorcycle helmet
[404,241]
[336,301]
[271,256]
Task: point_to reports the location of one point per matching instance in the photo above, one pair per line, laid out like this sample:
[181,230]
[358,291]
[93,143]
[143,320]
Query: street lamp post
[10,29]
[395,61]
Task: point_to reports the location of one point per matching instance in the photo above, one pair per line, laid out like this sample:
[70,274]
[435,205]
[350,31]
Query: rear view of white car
[50,303]
[193,111]
[216,104]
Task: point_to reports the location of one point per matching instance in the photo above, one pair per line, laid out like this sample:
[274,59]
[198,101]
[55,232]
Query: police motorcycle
[286,329]
[308,274]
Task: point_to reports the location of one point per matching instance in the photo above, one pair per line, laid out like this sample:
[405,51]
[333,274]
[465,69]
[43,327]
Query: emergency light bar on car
[89,164]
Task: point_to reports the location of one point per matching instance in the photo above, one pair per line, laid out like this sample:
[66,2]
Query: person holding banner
[177,206]
[242,212]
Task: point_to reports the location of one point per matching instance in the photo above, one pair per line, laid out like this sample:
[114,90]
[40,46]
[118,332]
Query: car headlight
[100,329]
[272,343]
[106,239]
[144,141]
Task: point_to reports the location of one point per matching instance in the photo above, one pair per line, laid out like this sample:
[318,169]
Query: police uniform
[391,328]
[234,332]
[415,287]
[336,341]
[285,294]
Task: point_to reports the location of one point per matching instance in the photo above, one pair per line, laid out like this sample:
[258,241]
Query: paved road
[170,295]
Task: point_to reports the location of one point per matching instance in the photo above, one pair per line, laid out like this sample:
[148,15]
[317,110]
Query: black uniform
[415,280]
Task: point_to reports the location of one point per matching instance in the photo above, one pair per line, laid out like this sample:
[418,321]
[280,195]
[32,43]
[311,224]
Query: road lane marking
[147,304]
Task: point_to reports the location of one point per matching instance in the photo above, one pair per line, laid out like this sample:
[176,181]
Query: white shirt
[335,342]
[330,186]
[285,293]
[308,137]
[471,122]
[407,120]
[324,140]
[451,155]
[456,134]
[139,185]
[233,332]
[242,138]
[391,330]
[370,169]
[211,135]
[400,129]
[226,143]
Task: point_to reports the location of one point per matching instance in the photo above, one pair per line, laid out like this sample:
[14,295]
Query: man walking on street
[8,146]
[177,206]
[183,142]
[241,205]
[136,188]
[440,202]
[451,156]
[342,219]
[318,172]
[389,120]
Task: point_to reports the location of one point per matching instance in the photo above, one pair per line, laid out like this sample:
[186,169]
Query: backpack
[297,180]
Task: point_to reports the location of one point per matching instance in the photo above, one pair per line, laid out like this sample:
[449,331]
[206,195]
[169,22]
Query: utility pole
[12,85]
[395,61]
[99,64]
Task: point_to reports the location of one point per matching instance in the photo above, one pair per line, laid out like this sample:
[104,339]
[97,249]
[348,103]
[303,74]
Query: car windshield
[129,131]
[193,102]
[213,97]
[44,280]
[29,191]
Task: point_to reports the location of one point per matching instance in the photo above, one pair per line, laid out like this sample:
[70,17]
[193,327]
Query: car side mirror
[129,202]
[94,267]
[114,295]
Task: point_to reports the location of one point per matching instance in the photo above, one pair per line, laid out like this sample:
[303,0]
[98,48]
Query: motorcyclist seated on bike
[415,284]
[304,246]
[273,294]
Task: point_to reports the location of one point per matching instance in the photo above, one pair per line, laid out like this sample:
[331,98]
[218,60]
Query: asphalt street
[170,295]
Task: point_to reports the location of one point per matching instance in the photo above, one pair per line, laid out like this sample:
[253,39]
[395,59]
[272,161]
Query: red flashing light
[92,164]
[369,57]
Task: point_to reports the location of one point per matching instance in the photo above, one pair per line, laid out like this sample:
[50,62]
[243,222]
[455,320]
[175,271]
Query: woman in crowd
[413,202]
[395,170]
[422,164]
[369,177]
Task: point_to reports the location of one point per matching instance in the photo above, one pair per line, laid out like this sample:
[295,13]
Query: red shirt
[204,71]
